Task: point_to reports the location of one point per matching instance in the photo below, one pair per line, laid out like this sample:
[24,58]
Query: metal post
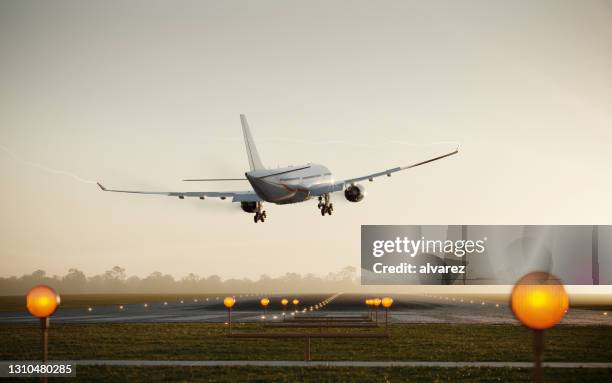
[538,350]
[307,350]
[595,255]
[229,319]
[44,326]
[386,319]
[376,314]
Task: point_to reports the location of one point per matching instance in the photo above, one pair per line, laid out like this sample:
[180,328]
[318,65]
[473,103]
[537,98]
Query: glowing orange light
[229,302]
[42,301]
[284,301]
[539,300]
[387,302]
[377,302]
[264,302]
[296,301]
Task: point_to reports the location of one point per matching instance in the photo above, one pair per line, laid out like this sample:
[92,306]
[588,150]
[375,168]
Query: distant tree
[74,282]
[116,273]
[115,280]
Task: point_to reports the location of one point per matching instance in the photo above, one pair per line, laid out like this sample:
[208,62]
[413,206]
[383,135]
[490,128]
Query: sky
[141,94]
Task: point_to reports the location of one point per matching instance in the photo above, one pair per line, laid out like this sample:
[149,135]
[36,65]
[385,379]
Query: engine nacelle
[355,193]
[248,206]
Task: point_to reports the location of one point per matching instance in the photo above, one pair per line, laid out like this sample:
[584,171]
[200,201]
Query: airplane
[286,185]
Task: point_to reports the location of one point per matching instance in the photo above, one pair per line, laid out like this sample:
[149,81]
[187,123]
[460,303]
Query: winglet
[101,186]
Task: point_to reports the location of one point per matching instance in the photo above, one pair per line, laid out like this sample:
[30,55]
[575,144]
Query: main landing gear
[259,214]
[324,204]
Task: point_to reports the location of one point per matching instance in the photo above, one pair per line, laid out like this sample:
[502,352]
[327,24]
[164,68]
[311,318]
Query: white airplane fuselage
[290,184]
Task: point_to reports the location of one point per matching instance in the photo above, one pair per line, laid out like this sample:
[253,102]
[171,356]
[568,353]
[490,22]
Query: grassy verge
[329,374]
[197,341]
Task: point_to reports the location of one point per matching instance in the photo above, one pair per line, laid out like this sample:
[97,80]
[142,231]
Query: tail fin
[254,160]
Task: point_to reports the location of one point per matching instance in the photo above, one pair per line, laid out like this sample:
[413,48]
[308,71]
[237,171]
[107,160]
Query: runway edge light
[42,302]
[229,302]
[539,301]
[386,303]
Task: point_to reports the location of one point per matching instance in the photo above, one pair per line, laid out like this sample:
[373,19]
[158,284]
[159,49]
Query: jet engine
[355,193]
[248,206]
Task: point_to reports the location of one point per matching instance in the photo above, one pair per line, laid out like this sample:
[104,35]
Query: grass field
[329,374]
[196,341]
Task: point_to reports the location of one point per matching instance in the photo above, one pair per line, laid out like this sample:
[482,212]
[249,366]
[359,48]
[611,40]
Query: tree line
[117,281]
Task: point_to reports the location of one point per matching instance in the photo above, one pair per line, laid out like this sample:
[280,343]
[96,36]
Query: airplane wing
[340,185]
[237,196]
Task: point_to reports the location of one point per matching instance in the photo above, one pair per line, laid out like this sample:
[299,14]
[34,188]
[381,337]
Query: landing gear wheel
[260,215]
[325,206]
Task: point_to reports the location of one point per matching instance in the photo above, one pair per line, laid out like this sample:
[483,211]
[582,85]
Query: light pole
[41,302]
[539,301]
[377,302]
[295,302]
[386,303]
[368,303]
[264,303]
[284,302]
[229,302]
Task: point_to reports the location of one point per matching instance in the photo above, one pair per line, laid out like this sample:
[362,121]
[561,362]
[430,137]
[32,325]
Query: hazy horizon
[142,94]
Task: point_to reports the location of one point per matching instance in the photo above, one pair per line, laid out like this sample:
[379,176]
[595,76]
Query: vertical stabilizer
[254,160]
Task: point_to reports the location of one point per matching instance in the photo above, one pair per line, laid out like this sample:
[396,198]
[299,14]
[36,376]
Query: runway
[406,309]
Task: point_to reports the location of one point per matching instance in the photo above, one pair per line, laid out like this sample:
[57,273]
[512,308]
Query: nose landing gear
[259,214]
[324,205]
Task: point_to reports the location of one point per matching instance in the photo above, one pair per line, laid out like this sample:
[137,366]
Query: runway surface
[406,309]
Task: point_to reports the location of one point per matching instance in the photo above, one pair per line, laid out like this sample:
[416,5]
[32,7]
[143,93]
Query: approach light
[42,301]
[264,302]
[229,302]
[284,301]
[539,300]
[387,302]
